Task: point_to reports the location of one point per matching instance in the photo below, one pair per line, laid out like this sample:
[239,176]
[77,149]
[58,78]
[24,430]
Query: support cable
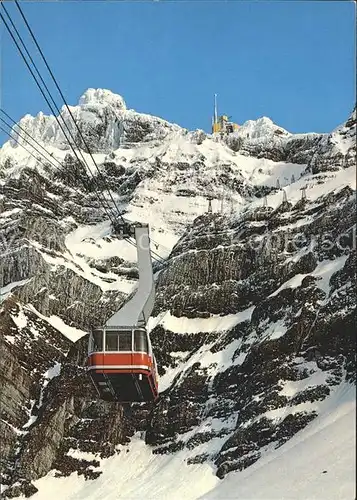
[65,102]
[159,258]
[50,105]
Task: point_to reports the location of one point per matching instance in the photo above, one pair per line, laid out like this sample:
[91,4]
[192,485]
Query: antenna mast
[215,109]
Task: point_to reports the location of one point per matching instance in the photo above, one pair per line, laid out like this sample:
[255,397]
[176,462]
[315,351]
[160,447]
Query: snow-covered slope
[318,462]
[253,322]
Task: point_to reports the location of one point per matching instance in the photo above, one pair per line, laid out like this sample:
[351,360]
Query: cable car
[122,365]
[121,362]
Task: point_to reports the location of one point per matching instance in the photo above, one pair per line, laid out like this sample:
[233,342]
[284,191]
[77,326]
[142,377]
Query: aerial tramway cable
[48,102]
[155,255]
[59,168]
[28,135]
[24,147]
[28,142]
[65,102]
[50,160]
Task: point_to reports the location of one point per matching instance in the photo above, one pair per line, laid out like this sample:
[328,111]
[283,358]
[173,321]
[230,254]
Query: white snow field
[132,474]
[318,463]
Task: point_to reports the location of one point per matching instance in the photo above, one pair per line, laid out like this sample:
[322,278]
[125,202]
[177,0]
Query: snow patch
[318,462]
[70,332]
[323,271]
[133,473]
[275,330]
[184,325]
[20,320]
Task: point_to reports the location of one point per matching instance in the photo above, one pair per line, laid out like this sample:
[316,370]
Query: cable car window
[125,341]
[140,341]
[97,340]
[111,341]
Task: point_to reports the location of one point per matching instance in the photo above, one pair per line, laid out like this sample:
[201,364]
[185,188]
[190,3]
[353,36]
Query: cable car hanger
[121,362]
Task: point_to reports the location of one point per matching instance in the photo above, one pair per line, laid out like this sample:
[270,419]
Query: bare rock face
[31,352]
[254,321]
[293,333]
[34,253]
[64,413]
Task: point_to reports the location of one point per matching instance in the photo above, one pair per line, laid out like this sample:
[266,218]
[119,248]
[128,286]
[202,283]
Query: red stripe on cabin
[124,370]
[115,358]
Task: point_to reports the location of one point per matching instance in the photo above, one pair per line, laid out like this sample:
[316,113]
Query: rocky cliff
[253,326]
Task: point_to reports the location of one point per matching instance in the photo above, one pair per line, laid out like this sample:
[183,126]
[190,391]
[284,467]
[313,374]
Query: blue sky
[291,61]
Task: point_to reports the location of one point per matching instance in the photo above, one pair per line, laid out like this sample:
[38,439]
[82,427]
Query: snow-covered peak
[261,128]
[104,122]
[102,97]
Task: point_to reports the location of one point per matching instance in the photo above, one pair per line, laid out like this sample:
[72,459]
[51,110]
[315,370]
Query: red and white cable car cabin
[121,363]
